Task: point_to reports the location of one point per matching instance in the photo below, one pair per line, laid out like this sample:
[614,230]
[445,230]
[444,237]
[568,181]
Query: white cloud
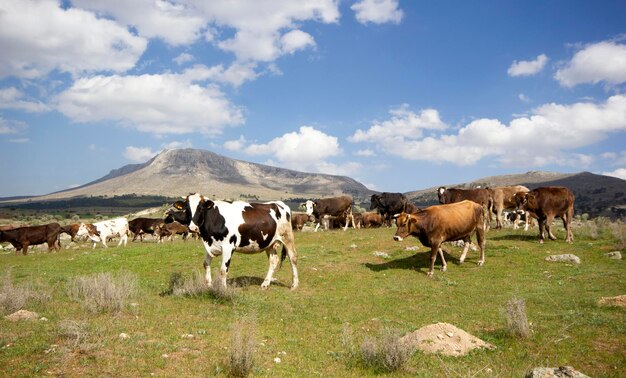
[139,154]
[177,23]
[183,58]
[619,173]
[161,104]
[377,11]
[523,97]
[528,68]
[296,40]
[600,62]
[11,98]
[37,37]
[540,139]
[365,153]
[19,140]
[235,145]
[178,144]
[11,127]
[307,149]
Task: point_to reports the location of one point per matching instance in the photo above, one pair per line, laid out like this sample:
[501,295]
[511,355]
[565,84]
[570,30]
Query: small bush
[195,286]
[103,292]
[386,352]
[241,359]
[13,298]
[516,320]
[75,332]
[618,230]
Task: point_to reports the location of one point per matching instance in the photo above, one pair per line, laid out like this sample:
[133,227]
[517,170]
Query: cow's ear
[179,205]
[396,216]
[208,204]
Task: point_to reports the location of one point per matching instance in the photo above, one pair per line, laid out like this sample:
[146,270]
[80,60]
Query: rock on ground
[568,257]
[22,315]
[615,255]
[444,338]
[560,372]
[619,301]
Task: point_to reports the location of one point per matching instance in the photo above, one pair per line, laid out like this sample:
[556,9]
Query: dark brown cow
[335,207]
[437,224]
[171,229]
[411,209]
[22,237]
[548,202]
[480,196]
[298,220]
[372,219]
[388,204]
[141,226]
[71,230]
[504,198]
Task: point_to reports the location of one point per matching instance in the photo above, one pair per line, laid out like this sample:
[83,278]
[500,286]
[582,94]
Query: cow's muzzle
[397,238]
[193,227]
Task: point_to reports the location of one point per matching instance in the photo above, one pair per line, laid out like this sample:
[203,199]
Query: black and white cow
[240,226]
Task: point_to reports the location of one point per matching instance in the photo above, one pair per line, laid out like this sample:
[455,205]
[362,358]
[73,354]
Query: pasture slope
[341,281]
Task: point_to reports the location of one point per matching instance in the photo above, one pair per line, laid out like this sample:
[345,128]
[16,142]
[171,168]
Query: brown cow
[335,207]
[171,229]
[411,209]
[504,198]
[480,196]
[141,226]
[22,237]
[298,220]
[437,224]
[372,219]
[71,230]
[548,202]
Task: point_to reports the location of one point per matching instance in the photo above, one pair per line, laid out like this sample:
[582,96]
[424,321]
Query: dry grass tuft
[515,318]
[74,331]
[103,292]
[195,286]
[385,352]
[13,298]
[241,359]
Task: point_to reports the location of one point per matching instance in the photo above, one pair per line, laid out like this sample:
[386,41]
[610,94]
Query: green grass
[340,282]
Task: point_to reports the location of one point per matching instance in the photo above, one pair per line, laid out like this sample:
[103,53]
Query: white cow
[101,231]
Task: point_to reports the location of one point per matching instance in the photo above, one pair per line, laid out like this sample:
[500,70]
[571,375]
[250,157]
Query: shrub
[13,298]
[243,340]
[515,318]
[103,292]
[196,286]
[386,352]
[618,229]
[74,331]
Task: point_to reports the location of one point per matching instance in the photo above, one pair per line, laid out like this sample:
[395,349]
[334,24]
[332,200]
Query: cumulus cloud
[11,127]
[12,98]
[161,104]
[377,11]
[539,139]
[619,173]
[235,145]
[37,37]
[365,153]
[307,149]
[183,58]
[296,40]
[523,97]
[595,63]
[139,154]
[528,68]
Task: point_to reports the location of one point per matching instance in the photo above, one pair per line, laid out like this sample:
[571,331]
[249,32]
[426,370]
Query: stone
[22,315]
[568,257]
[615,255]
[560,372]
[381,254]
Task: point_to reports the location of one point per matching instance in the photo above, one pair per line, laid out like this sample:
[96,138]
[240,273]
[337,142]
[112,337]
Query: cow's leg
[548,226]
[317,226]
[527,220]
[272,256]
[207,263]
[444,265]
[542,226]
[25,248]
[466,245]
[480,239]
[227,253]
[124,239]
[290,247]
[499,218]
[433,256]
[567,223]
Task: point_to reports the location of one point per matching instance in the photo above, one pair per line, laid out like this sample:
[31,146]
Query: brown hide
[141,226]
[504,198]
[437,224]
[372,219]
[171,229]
[22,237]
[545,204]
[298,220]
[480,196]
[258,226]
[71,230]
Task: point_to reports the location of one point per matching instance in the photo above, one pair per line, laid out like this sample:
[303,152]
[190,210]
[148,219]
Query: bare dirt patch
[444,338]
[619,301]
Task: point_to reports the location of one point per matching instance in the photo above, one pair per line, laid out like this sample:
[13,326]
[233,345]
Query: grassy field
[341,282]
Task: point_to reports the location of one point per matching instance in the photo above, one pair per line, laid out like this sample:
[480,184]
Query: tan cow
[504,198]
[441,223]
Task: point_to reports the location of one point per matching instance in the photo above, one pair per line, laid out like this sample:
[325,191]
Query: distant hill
[596,195]
[175,173]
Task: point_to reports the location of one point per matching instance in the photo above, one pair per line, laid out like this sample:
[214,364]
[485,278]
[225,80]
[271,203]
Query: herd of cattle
[226,227]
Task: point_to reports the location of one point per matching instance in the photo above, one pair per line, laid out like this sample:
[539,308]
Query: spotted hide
[227,227]
[437,224]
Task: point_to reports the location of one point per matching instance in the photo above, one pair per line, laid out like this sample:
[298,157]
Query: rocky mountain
[596,195]
[175,173]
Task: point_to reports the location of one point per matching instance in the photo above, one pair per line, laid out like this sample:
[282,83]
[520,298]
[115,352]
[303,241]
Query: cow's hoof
[444,268]
[461,261]
[429,274]
[481,263]
[265,285]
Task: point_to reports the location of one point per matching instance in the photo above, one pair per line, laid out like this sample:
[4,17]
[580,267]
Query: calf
[239,226]
[548,202]
[504,198]
[22,237]
[334,207]
[141,226]
[437,224]
[298,220]
[171,229]
[101,231]
[372,219]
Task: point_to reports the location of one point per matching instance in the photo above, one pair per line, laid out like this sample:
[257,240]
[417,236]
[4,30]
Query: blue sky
[400,95]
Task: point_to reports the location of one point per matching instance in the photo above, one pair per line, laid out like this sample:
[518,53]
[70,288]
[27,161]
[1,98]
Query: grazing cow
[298,220]
[141,226]
[480,196]
[171,229]
[548,202]
[335,207]
[101,231]
[71,230]
[504,198]
[437,224]
[240,226]
[388,204]
[372,219]
[22,237]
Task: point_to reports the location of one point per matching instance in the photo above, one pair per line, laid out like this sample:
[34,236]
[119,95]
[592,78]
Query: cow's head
[88,229]
[521,200]
[309,206]
[442,193]
[375,201]
[188,212]
[403,222]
